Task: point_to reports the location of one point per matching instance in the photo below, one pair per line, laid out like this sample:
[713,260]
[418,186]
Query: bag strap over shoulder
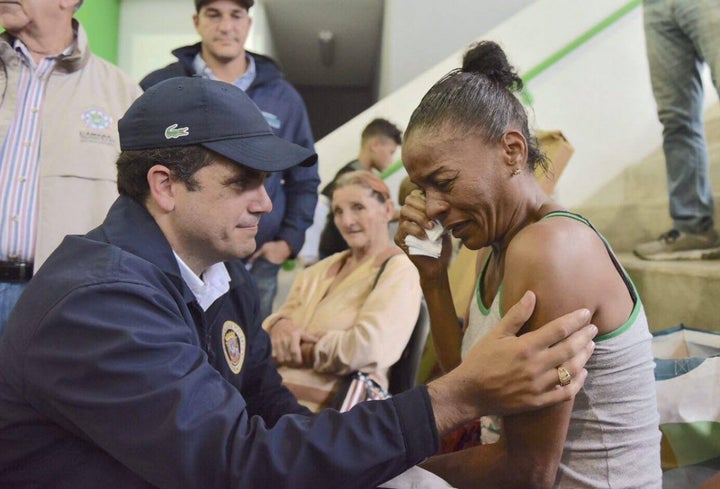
[382,268]
[380,271]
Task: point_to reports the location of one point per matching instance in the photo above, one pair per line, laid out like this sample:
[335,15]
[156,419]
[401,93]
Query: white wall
[150,29]
[417,34]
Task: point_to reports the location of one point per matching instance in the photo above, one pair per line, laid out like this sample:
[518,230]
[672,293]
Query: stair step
[633,207]
[675,292]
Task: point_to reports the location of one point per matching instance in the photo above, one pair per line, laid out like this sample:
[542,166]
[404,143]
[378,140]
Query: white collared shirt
[214,283]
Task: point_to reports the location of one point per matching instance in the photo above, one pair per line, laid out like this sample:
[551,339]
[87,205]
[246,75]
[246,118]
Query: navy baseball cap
[189,111]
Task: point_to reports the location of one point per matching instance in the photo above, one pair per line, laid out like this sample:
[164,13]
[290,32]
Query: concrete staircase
[634,208]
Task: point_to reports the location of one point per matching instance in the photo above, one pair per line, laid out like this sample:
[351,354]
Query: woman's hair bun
[488,59]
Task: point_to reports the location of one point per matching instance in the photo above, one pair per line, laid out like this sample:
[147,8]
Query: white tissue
[430,246]
[416,478]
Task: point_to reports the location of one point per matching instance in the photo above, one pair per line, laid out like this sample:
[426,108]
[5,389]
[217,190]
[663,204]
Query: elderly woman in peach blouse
[354,310]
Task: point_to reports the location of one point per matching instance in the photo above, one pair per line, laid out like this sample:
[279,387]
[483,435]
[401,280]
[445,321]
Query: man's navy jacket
[111,375]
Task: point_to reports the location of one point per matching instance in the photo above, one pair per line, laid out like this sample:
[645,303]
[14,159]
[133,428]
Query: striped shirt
[243,82]
[19,158]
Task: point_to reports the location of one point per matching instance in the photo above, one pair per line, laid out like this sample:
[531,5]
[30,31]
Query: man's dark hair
[382,127]
[182,161]
[245,3]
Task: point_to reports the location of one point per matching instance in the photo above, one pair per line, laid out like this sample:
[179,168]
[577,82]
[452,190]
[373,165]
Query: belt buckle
[15,271]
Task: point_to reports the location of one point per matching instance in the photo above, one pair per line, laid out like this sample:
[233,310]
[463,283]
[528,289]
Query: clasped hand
[291,345]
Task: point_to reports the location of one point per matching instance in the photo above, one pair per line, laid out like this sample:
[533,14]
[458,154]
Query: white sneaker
[678,245]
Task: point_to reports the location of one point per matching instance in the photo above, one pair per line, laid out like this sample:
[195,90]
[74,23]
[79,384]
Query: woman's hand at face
[413,222]
[285,338]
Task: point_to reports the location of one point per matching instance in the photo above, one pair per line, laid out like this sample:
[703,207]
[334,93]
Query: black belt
[15,271]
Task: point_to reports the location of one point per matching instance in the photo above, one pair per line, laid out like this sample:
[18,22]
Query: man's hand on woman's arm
[505,373]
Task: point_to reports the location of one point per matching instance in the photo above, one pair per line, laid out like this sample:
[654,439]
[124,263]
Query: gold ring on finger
[564,376]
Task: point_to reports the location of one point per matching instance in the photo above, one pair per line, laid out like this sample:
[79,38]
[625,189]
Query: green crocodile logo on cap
[173,132]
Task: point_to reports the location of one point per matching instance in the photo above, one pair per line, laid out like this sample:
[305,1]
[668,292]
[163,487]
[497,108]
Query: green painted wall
[100,19]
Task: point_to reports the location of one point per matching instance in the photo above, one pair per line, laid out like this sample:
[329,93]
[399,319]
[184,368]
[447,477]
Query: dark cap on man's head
[189,111]
[245,3]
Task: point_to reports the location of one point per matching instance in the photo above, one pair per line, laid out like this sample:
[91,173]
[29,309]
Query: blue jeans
[680,35]
[266,278]
[9,294]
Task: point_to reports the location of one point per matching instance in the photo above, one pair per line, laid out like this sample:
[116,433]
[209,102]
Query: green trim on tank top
[478,289]
[638,303]
[623,327]
[612,334]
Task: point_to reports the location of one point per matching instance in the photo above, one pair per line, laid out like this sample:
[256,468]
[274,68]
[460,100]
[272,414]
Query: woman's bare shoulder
[558,260]
[555,242]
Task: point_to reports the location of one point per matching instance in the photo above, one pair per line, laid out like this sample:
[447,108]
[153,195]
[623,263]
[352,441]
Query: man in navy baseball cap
[184,129]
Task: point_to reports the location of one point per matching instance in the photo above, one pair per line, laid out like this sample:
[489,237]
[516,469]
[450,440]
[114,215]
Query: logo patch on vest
[174,132]
[96,119]
[233,339]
